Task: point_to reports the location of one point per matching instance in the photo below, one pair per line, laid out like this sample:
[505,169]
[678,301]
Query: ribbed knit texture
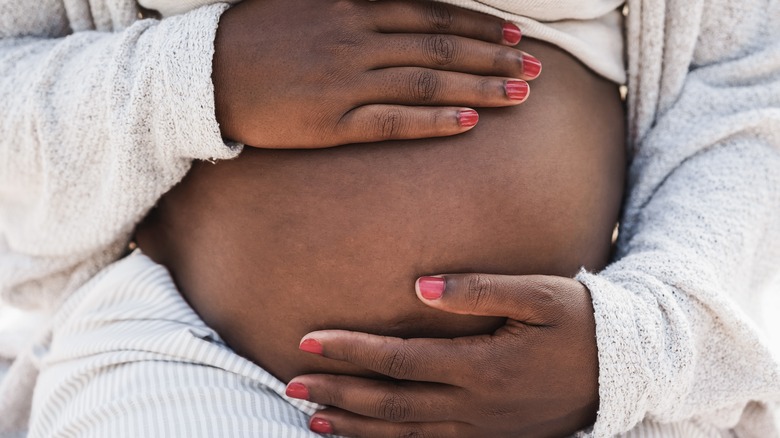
[95,128]
[91,139]
[678,314]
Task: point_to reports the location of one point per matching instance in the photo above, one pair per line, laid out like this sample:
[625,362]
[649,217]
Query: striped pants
[129,358]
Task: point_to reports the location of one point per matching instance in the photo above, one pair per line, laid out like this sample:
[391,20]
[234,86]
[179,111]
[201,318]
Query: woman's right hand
[312,74]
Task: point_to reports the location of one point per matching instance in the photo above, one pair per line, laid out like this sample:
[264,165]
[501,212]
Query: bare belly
[275,244]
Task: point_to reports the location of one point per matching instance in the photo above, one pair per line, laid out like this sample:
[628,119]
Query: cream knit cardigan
[102,110]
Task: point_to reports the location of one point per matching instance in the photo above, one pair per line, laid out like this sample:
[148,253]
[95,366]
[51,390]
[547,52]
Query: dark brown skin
[535,376]
[280,243]
[310,74]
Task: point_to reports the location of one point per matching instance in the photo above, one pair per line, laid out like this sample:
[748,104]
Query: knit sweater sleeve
[96,125]
[677,314]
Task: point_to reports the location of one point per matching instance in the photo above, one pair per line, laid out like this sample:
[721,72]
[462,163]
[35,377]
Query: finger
[526,298]
[448,52]
[421,86]
[389,401]
[438,18]
[370,123]
[342,423]
[418,359]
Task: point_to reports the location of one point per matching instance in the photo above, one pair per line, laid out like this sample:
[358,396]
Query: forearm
[699,237]
[96,127]
[674,326]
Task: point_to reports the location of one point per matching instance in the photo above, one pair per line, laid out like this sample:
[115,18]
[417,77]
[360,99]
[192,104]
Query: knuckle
[344,47]
[412,431]
[487,88]
[494,378]
[497,412]
[349,13]
[389,124]
[345,6]
[395,408]
[478,290]
[440,49]
[349,41]
[547,299]
[424,85]
[499,59]
[396,363]
[332,393]
[442,122]
[437,120]
[440,17]
[503,58]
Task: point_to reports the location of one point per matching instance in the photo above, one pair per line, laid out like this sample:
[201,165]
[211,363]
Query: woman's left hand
[535,376]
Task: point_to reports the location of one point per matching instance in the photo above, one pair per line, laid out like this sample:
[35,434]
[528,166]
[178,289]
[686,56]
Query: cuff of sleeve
[625,374]
[188,51]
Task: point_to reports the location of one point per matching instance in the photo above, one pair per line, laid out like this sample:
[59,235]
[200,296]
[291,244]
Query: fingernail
[468,118]
[320,425]
[297,390]
[512,34]
[531,66]
[431,288]
[311,346]
[516,90]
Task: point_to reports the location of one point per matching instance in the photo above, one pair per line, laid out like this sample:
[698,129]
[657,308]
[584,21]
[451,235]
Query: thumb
[532,299]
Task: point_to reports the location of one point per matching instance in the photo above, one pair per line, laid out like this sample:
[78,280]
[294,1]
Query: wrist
[625,376]
[188,101]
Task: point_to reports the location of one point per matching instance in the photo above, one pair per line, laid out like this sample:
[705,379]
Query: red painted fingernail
[431,288]
[297,390]
[468,118]
[531,66]
[311,346]
[320,425]
[516,90]
[512,34]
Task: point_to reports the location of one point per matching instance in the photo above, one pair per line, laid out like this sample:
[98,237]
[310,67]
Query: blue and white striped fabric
[130,358]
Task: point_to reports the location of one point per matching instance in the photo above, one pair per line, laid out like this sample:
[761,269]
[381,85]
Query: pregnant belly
[275,244]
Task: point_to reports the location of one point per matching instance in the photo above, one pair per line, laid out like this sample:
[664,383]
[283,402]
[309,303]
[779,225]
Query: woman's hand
[309,74]
[535,376]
